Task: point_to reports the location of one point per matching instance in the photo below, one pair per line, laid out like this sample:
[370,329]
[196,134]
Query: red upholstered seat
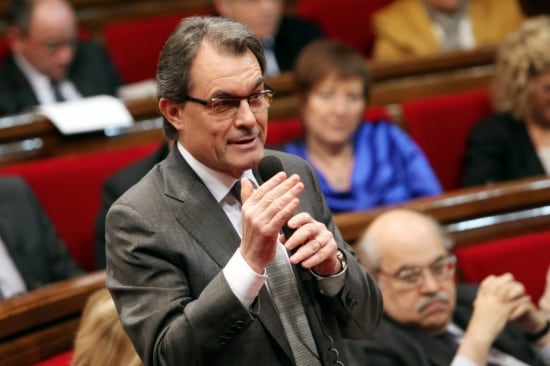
[346,20]
[440,126]
[69,189]
[4,50]
[134,45]
[63,359]
[527,257]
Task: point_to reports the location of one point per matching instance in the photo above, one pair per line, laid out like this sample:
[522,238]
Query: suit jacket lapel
[203,217]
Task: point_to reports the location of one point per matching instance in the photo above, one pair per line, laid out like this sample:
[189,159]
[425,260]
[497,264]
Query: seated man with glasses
[431,320]
[47,63]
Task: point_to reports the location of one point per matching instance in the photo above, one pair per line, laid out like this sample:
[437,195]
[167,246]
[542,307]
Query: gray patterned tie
[285,295]
[284,291]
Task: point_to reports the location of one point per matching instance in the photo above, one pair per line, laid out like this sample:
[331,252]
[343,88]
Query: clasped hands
[266,210]
[502,299]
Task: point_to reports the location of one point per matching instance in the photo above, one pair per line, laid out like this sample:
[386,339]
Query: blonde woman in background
[515,142]
[100,340]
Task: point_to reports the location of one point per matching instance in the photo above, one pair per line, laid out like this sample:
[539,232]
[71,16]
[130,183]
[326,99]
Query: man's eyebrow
[224,94]
[408,267]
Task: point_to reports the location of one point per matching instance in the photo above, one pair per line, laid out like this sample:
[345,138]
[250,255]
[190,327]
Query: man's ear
[14,37]
[172,112]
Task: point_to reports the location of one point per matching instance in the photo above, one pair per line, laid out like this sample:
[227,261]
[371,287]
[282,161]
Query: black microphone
[268,167]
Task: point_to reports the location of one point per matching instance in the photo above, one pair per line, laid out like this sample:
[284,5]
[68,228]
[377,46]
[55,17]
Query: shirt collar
[219,184]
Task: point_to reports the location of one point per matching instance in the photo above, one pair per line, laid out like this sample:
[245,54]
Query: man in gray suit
[186,262]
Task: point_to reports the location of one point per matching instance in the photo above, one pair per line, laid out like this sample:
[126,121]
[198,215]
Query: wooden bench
[42,323]
[473,214]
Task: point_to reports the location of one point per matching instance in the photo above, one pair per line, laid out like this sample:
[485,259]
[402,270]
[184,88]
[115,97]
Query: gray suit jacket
[30,237]
[167,242]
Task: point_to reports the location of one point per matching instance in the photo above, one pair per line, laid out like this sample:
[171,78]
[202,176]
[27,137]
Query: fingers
[264,212]
[503,287]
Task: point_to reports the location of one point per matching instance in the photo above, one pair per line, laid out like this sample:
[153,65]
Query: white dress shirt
[242,279]
[11,282]
[41,84]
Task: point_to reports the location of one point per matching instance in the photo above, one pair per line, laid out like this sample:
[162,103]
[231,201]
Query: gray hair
[179,52]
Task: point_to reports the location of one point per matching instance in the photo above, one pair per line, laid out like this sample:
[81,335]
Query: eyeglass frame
[419,272]
[267,91]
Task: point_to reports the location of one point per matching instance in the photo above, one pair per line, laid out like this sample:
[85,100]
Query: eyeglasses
[53,46]
[224,106]
[413,277]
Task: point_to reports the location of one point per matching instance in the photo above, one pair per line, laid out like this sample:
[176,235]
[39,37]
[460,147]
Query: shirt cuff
[242,279]
[462,361]
[544,353]
[331,285]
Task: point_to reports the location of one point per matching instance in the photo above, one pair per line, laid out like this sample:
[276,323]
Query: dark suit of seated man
[283,36]
[31,255]
[429,320]
[47,64]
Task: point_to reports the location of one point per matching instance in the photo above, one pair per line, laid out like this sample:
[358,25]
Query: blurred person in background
[514,142]
[424,27]
[100,339]
[31,254]
[48,64]
[283,36]
[360,164]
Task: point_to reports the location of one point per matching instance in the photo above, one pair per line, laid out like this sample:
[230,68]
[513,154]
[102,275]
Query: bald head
[44,33]
[398,231]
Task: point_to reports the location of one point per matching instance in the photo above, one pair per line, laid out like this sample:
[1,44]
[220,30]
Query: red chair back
[346,20]
[135,45]
[69,190]
[527,257]
[440,126]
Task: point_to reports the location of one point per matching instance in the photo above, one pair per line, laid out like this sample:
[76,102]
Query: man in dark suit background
[47,63]
[283,36]
[189,265]
[428,319]
[31,255]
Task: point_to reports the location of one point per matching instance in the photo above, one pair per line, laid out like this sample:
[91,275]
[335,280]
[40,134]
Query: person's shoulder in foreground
[30,238]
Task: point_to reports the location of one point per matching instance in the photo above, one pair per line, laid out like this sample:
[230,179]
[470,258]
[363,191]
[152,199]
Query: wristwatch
[342,259]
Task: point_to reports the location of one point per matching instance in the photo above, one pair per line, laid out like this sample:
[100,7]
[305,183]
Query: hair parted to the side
[100,339]
[179,51]
[324,57]
[524,54]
